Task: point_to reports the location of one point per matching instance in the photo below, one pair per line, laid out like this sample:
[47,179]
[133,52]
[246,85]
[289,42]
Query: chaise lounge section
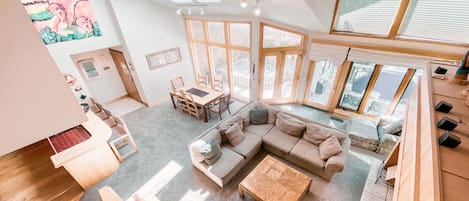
[290,137]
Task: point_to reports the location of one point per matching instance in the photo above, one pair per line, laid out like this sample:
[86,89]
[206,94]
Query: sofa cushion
[228,162]
[259,116]
[307,153]
[211,152]
[316,133]
[195,146]
[281,142]
[329,148]
[259,130]
[248,147]
[227,124]
[234,135]
[290,125]
[362,133]
[271,110]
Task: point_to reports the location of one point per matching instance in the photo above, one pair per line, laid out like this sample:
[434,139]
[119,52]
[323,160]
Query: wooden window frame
[282,52]
[226,45]
[369,88]
[393,29]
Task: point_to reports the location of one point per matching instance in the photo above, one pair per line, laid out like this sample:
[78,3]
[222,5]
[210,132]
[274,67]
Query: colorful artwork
[62,20]
[163,58]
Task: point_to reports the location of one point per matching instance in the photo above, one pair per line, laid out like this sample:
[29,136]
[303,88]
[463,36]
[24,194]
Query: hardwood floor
[28,174]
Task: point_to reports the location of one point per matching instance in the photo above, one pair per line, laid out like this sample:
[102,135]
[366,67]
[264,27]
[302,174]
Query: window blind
[332,53]
[444,20]
[387,58]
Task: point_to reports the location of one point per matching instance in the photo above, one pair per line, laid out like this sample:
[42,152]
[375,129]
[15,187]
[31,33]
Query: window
[279,38]
[89,69]
[375,89]
[433,20]
[437,20]
[240,34]
[389,79]
[322,83]
[212,49]
[370,17]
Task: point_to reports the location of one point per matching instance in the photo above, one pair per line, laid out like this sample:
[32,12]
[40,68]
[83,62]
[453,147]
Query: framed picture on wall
[88,69]
[163,58]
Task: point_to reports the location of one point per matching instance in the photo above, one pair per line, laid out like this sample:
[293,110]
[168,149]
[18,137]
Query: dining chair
[95,106]
[222,106]
[191,107]
[180,99]
[218,85]
[177,83]
[202,80]
[121,137]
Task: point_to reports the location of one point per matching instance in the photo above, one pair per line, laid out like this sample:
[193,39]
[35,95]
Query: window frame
[226,45]
[369,88]
[396,23]
[281,53]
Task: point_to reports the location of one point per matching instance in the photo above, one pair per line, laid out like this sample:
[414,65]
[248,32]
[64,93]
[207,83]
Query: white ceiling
[295,13]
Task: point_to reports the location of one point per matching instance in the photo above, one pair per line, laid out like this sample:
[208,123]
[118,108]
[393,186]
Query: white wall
[61,52]
[109,86]
[148,27]
[35,102]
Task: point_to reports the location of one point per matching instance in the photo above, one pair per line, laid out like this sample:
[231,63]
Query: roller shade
[387,58]
[332,53]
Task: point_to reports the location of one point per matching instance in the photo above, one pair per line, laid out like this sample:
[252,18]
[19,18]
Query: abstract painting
[62,20]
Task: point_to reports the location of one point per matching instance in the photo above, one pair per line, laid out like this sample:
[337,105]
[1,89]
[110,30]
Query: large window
[435,20]
[323,75]
[280,60]
[221,50]
[375,89]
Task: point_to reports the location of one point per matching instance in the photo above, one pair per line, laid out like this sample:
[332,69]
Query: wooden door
[125,74]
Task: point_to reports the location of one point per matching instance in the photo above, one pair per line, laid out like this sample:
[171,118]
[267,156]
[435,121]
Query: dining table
[202,96]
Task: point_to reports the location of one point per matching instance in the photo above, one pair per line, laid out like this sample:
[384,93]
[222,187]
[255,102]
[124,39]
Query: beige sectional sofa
[298,150]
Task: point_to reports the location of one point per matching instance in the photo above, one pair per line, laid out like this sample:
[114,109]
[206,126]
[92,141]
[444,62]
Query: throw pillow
[234,134]
[211,152]
[315,134]
[393,128]
[272,112]
[290,125]
[259,116]
[225,125]
[329,148]
[245,114]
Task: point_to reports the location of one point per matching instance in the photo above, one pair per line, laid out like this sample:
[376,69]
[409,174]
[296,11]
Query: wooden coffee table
[275,181]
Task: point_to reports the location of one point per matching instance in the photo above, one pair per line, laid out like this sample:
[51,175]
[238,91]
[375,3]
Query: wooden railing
[417,174]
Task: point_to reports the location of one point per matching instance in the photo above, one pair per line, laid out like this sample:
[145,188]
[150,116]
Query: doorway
[125,74]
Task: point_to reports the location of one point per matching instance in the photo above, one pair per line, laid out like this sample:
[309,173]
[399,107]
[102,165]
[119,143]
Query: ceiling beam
[396,23]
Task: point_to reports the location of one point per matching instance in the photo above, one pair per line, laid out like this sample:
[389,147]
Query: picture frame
[88,69]
[163,58]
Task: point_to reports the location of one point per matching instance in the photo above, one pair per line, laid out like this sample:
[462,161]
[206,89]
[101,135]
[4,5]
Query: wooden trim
[369,87]
[398,17]
[400,91]
[341,80]
[334,17]
[398,38]
[429,53]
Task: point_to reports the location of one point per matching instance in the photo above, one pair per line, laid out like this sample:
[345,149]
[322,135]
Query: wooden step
[391,174]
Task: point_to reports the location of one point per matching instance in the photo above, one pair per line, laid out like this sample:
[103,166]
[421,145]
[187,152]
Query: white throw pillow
[329,148]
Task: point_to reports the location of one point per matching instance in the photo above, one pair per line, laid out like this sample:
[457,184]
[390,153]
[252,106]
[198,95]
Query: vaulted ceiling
[309,15]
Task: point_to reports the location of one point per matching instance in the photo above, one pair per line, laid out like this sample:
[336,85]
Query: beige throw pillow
[290,125]
[225,125]
[329,148]
[234,135]
[315,134]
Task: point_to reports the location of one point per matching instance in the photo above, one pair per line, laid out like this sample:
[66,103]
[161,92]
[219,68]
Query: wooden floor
[28,174]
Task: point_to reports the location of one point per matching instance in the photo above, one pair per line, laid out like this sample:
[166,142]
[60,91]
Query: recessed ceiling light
[179,11]
[202,11]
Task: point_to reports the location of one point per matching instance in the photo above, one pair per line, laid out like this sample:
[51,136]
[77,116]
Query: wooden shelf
[391,174]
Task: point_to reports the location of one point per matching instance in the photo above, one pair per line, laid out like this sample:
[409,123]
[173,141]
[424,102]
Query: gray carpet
[163,166]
